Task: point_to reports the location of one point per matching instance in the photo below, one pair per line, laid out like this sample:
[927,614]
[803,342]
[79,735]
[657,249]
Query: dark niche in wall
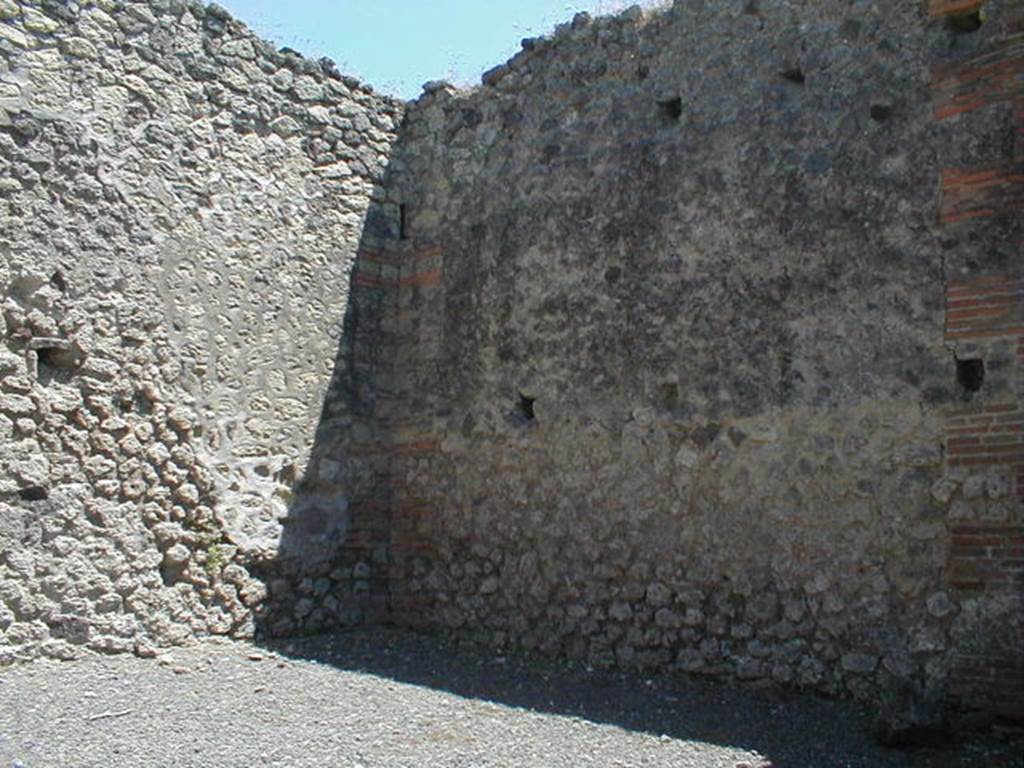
[671,109]
[57,281]
[33,493]
[58,359]
[966,21]
[525,407]
[58,356]
[880,112]
[794,75]
[970,373]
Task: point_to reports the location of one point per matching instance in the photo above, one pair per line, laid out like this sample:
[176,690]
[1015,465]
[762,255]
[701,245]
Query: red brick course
[430,277]
[395,519]
[986,559]
[937,8]
[985,307]
[993,77]
[981,194]
[980,308]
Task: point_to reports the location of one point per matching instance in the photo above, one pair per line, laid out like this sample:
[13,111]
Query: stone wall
[690,340]
[181,209]
[681,378]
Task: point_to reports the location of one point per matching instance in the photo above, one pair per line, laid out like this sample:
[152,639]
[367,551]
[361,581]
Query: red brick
[429,278]
[361,280]
[417,448]
[962,318]
[961,441]
[965,309]
[937,8]
[377,256]
[990,79]
[981,194]
[428,253]
[1001,407]
[1011,451]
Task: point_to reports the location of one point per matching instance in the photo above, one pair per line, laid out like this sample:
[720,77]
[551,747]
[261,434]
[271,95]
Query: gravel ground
[396,699]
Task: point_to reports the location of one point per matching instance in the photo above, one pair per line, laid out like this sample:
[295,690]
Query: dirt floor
[381,698]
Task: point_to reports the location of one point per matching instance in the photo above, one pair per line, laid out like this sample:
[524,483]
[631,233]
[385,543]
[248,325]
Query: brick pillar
[985,318]
[413,430]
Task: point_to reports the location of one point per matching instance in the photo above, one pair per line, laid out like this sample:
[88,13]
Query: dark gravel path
[396,699]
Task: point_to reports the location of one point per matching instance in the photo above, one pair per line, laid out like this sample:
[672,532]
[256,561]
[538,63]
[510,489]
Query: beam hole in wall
[525,407]
[58,282]
[970,373]
[880,112]
[403,222]
[642,72]
[794,75]
[34,493]
[671,109]
[58,358]
[966,22]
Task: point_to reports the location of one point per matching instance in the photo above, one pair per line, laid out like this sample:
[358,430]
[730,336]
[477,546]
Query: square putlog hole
[970,373]
[671,109]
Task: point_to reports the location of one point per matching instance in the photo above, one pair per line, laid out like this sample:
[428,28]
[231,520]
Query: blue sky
[397,45]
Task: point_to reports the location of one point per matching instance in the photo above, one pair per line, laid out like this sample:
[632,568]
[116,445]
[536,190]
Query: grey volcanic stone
[156,283]
[637,355]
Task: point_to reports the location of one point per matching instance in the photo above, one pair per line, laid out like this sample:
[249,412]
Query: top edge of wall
[653,18]
[216,21]
[323,68]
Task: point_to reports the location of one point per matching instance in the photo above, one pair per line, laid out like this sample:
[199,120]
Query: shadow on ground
[786,728]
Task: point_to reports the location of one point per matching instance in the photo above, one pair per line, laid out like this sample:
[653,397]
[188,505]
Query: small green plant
[215,559]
